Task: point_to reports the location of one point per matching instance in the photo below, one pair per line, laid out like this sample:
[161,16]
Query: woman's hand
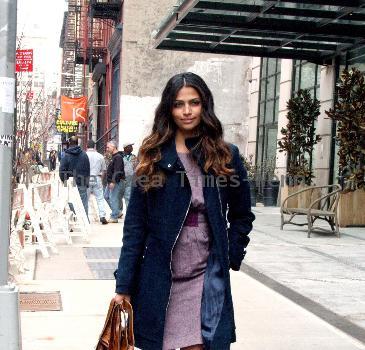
[120,297]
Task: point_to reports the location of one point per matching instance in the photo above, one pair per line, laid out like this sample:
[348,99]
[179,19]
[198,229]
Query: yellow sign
[66,125]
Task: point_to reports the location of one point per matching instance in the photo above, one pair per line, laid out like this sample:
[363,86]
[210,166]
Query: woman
[177,250]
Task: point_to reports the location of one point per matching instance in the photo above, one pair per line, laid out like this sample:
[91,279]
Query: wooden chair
[323,205]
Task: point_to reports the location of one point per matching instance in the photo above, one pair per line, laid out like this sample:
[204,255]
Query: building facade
[145,71]
[111,43]
[295,45]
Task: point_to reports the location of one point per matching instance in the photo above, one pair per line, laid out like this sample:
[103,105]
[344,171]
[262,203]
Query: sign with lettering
[74,109]
[6,140]
[30,95]
[66,125]
[24,61]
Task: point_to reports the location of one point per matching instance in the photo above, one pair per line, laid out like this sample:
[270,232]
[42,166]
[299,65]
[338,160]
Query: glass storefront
[306,75]
[268,109]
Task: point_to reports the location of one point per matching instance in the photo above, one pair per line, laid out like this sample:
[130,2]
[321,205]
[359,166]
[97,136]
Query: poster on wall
[74,109]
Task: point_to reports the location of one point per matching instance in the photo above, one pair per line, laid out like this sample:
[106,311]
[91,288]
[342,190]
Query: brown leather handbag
[117,333]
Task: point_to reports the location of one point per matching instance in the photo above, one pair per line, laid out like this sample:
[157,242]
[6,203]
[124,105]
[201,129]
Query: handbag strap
[112,306]
[104,339]
[127,308]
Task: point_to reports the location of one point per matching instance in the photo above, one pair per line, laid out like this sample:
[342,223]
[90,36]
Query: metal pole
[9,296]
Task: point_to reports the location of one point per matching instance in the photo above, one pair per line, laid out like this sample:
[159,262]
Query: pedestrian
[52,160]
[177,251]
[37,156]
[130,162]
[97,171]
[115,181]
[75,163]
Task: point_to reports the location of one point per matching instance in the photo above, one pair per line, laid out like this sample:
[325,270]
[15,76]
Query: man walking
[52,160]
[130,163]
[115,180]
[37,156]
[76,164]
[97,171]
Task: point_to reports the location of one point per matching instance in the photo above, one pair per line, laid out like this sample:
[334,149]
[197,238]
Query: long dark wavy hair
[214,150]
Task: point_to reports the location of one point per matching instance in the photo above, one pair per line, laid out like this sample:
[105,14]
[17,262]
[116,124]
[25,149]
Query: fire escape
[104,16]
[96,21]
[68,44]
[87,28]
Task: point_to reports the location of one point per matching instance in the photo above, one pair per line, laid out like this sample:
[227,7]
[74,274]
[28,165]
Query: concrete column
[322,151]
[253,107]
[285,95]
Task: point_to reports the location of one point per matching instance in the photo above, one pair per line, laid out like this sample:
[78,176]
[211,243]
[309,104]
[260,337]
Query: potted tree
[299,139]
[251,176]
[349,114]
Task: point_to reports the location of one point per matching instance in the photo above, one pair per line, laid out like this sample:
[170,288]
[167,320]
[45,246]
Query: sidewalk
[85,299]
[265,319]
[324,274]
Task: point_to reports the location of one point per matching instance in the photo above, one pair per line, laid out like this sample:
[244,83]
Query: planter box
[351,208]
[303,200]
[287,191]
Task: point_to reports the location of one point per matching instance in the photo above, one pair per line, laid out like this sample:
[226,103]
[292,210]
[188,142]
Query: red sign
[24,61]
[74,109]
[30,95]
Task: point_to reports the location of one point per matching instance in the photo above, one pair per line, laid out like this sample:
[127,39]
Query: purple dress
[189,260]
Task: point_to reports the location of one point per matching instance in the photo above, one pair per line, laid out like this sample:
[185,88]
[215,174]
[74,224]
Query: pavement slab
[266,320]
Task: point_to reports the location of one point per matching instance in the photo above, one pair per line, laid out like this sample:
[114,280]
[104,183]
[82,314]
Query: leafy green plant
[249,166]
[299,136]
[349,113]
[267,169]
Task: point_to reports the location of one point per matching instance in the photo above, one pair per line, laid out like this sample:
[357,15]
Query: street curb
[306,303]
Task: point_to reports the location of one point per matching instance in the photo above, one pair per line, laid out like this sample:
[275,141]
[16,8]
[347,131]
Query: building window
[268,109]
[307,76]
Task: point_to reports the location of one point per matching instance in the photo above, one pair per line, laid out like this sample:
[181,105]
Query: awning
[312,30]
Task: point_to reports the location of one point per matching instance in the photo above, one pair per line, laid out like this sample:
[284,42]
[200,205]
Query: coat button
[169,165]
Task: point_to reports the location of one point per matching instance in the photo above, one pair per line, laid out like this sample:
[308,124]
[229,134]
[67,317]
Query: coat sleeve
[240,217]
[119,164]
[134,240]
[64,168]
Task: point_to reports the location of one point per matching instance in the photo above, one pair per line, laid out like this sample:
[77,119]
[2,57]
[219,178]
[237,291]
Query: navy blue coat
[75,164]
[152,225]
